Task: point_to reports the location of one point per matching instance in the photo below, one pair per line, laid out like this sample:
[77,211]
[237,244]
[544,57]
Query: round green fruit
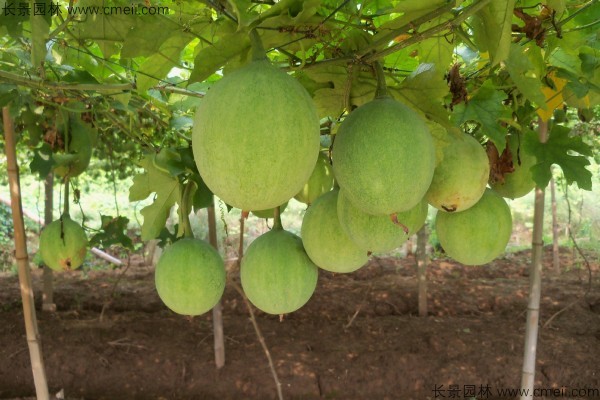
[256,137]
[63,244]
[478,235]
[190,277]
[383,157]
[325,241]
[319,183]
[378,233]
[461,178]
[276,273]
[270,212]
[519,182]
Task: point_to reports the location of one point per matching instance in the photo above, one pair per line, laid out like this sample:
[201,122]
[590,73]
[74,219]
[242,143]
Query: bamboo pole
[422,261]
[217,311]
[48,291]
[555,250]
[31,328]
[535,286]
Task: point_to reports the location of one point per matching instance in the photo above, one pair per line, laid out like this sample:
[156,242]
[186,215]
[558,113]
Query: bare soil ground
[359,337]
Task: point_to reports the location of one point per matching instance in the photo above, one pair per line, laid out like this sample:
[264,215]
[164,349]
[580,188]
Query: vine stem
[277,218]
[261,339]
[35,82]
[185,210]
[258,50]
[418,37]
[385,39]
[382,90]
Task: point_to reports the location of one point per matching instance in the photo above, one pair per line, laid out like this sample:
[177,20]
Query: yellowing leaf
[554,97]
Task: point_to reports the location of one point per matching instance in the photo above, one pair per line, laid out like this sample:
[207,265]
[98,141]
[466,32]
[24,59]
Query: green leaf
[335,89]
[425,90]
[113,231]
[107,30]
[561,149]
[486,108]
[492,28]
[557,5]
[157,66]
[168,160]
[8,92]
[42,162]
[212,58]
[203,197]
[168,192]
[522,72]
[40,26]
[11,18]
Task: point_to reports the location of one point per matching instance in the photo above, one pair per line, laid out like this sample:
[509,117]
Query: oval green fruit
[325,241]
[478,235]
[319,183]
[190,277]
[63,244]
[276,273]
[461,177]
[270,213]
[256,137]
[378,233]
[383,157]
[519,182]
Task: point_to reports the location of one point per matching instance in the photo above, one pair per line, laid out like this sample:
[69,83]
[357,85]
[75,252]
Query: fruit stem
[277,218]
[258,51]
[381,90]
[66,197]
[185,210]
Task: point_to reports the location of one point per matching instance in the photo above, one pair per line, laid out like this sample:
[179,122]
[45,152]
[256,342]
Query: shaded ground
[357,338]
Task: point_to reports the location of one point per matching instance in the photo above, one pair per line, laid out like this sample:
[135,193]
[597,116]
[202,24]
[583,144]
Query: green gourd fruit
[478,235]
[519,182]
[63,244]
[325,241]
[461,177]
[190,277]
[379,233]
[383,157]
[256,137]
[276,274]
[319,183]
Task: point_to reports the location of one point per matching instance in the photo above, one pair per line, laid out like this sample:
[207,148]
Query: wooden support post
[535,287]
[217,310]
[31,327]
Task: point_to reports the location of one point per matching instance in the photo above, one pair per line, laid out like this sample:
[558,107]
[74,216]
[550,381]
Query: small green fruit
[325,241]
[319,183]
[63,244]
[379,234]
[276,273]
[478,235]
[461,178]
[190,277]
[519,182]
